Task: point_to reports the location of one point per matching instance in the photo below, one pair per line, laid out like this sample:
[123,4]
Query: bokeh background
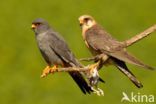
[21,63]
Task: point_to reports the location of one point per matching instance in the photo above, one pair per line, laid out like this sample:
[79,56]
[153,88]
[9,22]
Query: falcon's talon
[101,91]
[93,67]
[48,70]
[54,69]
[43,75]
[98,91]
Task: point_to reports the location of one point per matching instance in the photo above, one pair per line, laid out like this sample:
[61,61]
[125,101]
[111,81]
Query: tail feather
[101,80]
[127,57]
[123,68]
[83,85]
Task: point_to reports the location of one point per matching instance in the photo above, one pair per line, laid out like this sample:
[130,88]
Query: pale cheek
[84,28]
[89,23]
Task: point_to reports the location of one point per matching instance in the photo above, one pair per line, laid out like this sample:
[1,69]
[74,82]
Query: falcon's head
[86,21]
[39,25]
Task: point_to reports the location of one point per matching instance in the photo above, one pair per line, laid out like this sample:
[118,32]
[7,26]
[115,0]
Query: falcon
[56,52]
[111,51]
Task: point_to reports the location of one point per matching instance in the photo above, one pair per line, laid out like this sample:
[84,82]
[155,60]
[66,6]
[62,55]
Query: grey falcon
[56,52]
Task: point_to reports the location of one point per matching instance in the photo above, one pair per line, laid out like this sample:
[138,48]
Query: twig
[139,36]
[67,69]
[103,57]
[88,59]
[83,69]
[70,69]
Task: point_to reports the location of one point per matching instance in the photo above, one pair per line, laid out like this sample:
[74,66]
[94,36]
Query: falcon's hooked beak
[81,22]
[33,26]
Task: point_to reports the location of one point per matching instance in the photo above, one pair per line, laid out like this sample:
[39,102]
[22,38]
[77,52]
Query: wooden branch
[139,36]
[88,59]
[83,69]
[126,43]
[70,69]
[67,69]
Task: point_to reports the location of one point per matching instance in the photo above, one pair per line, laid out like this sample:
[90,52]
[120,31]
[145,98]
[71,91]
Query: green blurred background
[21,63]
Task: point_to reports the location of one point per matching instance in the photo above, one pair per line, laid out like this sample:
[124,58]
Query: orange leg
[54,69]
[93,67]
[102,58]
[49,70]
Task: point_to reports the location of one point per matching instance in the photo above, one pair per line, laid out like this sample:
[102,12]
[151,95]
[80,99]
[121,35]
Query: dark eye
[86,19]
[37,24]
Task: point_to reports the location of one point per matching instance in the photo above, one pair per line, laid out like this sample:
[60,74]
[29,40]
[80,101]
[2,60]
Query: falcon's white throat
[88,25]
